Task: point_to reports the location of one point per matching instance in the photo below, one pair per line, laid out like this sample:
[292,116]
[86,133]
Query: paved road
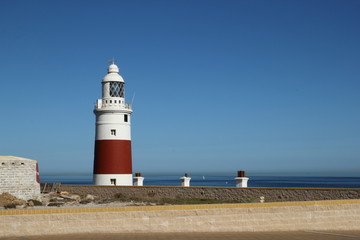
[308,235]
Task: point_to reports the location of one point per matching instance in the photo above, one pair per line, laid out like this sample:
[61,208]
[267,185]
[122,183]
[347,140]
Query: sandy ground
[308,235]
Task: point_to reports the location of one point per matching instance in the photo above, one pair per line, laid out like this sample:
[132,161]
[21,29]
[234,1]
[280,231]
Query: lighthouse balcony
[111,104]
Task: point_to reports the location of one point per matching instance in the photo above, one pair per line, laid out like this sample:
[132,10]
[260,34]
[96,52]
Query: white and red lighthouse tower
[112,155]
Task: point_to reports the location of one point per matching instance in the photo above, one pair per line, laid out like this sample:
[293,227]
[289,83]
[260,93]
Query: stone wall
[18,177]
[251,217]
[242,195]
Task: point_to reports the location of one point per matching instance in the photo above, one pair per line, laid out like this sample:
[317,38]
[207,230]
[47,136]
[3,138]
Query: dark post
[241,173]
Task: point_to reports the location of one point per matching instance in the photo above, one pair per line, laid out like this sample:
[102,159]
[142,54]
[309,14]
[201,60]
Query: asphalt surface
[299,235]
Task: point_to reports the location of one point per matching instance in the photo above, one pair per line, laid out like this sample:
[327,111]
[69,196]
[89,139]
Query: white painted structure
[241,181]
[138,181]
[19,177]
[112,163]
[185,181]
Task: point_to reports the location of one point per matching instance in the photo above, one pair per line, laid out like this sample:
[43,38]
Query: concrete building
[112,160]
[19,177]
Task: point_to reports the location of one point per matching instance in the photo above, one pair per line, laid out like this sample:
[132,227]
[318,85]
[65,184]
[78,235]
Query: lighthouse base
[113,179]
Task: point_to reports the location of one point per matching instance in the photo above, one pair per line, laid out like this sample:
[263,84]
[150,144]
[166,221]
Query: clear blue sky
[219,85]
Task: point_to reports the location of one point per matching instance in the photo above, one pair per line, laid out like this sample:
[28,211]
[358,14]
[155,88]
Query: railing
[113,105]
[49,187]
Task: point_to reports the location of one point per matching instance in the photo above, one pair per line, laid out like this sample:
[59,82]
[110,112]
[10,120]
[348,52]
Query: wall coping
[209,187]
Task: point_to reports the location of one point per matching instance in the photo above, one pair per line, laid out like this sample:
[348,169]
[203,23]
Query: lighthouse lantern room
[112,155]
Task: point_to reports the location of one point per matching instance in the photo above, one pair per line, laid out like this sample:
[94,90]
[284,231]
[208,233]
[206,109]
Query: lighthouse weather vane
[112,61]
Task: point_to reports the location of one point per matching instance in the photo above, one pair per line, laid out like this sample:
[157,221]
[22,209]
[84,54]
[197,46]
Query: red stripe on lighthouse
[37,173]
[112,157]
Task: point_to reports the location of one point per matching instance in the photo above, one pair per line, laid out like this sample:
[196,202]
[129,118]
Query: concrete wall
[18,177]
[285,216]
[244,195]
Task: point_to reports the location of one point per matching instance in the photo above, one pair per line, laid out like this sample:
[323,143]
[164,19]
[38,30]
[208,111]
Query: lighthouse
[112,154]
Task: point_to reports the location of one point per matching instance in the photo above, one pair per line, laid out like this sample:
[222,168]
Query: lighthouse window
[125,118]
[116,89]
[122,90]
[113,132]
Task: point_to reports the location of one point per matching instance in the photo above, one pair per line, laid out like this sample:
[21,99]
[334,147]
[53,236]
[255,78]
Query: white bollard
[185,180]
[138,179]
[241,180]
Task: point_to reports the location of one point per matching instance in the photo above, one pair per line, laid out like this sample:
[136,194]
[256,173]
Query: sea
[223,180]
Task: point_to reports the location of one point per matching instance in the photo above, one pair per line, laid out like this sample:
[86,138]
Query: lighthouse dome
[113,68]
[113,74]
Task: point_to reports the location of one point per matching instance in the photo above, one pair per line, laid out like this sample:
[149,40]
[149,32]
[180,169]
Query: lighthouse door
[113,181]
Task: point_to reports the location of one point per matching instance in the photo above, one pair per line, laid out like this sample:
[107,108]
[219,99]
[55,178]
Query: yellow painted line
[172,207]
